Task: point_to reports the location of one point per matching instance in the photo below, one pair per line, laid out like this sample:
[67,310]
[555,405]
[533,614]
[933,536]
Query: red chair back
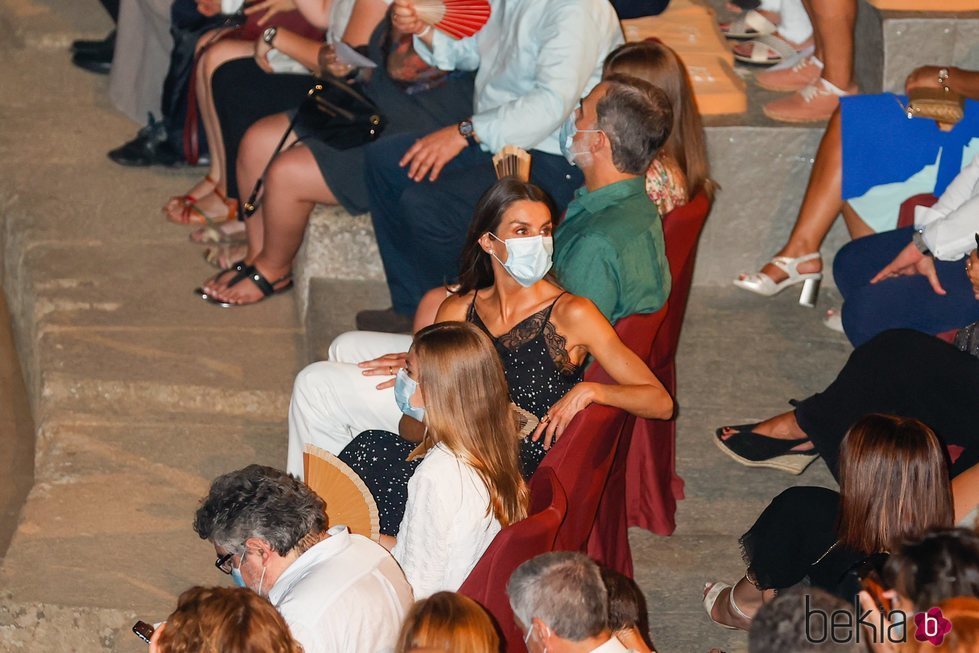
[513,546]
[905,215]
[643,486]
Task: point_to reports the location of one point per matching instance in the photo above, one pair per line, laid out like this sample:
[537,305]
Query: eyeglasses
[223,563]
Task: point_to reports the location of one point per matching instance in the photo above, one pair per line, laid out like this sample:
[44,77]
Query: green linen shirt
[610,249]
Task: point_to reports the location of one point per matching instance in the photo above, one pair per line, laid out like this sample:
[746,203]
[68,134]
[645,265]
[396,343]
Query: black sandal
[757,450]
[249,272]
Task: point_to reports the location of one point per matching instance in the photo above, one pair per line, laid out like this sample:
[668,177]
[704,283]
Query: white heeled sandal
[711,598]
[763,284]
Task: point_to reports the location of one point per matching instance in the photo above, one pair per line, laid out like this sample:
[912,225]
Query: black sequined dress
[538,370]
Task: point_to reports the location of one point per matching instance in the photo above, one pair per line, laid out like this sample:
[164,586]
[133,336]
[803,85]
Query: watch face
[466,128]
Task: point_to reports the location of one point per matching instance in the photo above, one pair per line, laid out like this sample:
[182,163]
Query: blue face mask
[404,389]
[566,138]
[528,259]
[236,572]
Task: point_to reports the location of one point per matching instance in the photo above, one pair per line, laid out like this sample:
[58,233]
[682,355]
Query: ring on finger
[545,419]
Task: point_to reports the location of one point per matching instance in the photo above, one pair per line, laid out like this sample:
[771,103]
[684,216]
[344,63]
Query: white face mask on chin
[527,259]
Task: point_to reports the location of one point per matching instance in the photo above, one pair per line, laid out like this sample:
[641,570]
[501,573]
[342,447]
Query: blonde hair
[225,620]
[467,409]
[447,621]
[657,64]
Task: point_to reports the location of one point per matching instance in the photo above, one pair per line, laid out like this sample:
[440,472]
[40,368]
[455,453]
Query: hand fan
[512,161]
[348,501]
[457,18]
[526,421]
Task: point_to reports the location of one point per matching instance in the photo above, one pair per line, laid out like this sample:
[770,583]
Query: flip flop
[252,274]
[756,450]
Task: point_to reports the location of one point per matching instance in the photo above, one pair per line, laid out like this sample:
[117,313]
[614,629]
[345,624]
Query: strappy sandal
[268,288]
[756,450]
[767,50]
[192,214]
[762,284]
[748,25]
[711,598]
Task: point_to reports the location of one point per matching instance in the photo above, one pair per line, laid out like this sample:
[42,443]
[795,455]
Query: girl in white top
[469,485]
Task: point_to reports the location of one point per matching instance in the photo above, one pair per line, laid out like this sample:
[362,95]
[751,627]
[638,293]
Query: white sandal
[711,598]
[767,50]
[748,25]
[763,284]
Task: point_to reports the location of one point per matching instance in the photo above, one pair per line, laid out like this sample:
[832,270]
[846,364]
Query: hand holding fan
[457,18]
[512,161]
[348,501]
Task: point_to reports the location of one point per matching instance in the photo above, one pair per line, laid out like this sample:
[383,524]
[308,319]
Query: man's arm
[570,50]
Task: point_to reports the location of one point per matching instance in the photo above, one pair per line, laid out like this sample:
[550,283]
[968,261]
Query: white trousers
[795,25]
[332,400]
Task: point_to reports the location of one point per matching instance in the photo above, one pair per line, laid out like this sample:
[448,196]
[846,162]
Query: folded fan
[457,18]
[348,501]
[511,161]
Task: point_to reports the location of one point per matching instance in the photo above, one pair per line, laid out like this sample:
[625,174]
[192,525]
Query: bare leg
[816,36]
[820,205]
[293,186]
[834,21]
[254,153]
[854,223]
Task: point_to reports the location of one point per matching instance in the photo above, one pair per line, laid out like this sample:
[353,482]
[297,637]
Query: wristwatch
[466,129]
[269,34]
[919,241]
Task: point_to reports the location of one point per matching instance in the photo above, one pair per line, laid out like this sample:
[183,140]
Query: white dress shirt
[536,60]
[613,645]
[447,524]
[949,227]
[346,594]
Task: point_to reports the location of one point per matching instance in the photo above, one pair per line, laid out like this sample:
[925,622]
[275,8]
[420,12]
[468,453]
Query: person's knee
[846,263]
[343,345]
[311,380]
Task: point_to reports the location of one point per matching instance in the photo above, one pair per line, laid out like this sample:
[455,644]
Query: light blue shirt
[536,60]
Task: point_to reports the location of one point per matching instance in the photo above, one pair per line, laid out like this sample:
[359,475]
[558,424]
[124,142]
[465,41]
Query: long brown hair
[660,66]
[225,620]
[449,622]
[476,267]
[893,483]
[467,408]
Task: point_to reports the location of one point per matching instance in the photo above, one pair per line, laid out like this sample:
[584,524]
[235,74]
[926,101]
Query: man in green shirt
[609,246]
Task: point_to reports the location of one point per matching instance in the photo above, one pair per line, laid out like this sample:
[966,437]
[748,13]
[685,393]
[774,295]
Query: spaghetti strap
[547,316]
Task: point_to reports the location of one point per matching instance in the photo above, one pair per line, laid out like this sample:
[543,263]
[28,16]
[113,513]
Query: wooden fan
[348,501]
[457,18]
[512,161]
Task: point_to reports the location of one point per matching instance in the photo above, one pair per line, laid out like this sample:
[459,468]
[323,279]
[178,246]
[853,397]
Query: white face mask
[527,259]
[580,158]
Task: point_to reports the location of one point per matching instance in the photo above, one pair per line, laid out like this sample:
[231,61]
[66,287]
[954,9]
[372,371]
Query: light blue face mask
[566,138]
[404,390]
[236,572]
[527,259]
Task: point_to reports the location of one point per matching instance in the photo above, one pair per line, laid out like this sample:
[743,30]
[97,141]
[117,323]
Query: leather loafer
[386,321]
[108,44]
[94,62]
[149,148]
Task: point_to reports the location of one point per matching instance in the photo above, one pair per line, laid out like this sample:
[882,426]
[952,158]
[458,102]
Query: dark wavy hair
[941,564]
[261,502]
[475,267]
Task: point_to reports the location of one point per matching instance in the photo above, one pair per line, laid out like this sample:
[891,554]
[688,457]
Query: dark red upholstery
[643,486]
[514,545]
[905,215]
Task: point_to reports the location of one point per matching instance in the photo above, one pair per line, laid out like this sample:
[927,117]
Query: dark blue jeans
[900,302]
[421,226]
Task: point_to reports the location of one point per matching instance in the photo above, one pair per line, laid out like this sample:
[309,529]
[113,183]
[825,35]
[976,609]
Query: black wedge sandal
[249,272]
[756,450]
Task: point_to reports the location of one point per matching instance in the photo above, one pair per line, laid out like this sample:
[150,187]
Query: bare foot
[247,292]
[203,187]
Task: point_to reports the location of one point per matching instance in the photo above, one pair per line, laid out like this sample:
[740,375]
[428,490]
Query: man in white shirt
[560,602]
[535,59]
[338,592]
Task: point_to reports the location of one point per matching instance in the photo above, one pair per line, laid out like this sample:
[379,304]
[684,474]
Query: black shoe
[93,62]
[386,321]
[100,46]
[149,148]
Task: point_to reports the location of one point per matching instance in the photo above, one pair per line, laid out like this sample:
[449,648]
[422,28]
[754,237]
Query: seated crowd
[506,290]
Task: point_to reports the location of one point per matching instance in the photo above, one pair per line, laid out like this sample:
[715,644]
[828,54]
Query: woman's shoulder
[571,309]
[454,306]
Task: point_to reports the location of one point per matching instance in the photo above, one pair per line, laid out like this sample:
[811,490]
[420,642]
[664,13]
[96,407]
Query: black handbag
[336,112]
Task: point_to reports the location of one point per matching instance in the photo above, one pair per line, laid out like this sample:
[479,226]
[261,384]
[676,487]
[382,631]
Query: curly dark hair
[261,502]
